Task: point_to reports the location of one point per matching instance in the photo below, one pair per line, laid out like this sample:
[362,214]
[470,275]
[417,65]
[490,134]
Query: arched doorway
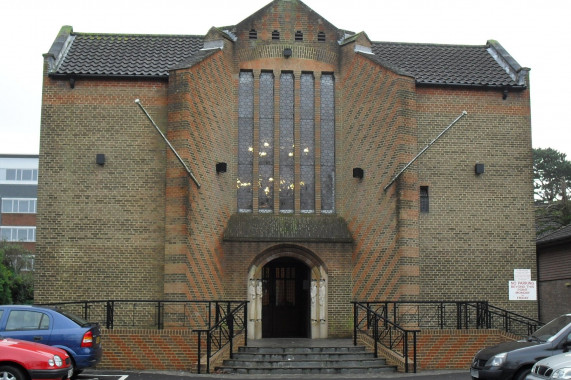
[285,299]
[275,276]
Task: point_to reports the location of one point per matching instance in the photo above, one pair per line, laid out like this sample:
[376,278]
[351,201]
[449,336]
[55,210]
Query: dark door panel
[285,304]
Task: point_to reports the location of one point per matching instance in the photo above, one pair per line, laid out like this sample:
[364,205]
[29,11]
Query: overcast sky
[536,33]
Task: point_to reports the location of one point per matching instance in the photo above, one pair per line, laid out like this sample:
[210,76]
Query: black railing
[454,315]
[385,332]
[222,334]
[156,314]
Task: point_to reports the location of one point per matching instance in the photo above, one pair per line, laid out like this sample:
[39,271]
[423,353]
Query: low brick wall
[125,349]
[443,349]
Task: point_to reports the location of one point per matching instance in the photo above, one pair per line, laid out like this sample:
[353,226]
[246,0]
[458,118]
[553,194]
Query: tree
[16,285]
[552,184]
[552,175]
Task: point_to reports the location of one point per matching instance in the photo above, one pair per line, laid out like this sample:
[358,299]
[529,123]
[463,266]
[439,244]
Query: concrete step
[304,360]
[303,356]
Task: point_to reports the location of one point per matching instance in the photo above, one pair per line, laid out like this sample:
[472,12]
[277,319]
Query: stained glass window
[286,158]
[266,144]
[327,143]
[307,139]
[245,141]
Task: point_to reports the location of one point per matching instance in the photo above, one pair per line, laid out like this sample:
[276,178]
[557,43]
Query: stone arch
[318,288]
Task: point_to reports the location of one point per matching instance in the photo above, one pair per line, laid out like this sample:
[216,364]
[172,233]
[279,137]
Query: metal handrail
[159,314]
[223,333]
[454,315]
[400,338]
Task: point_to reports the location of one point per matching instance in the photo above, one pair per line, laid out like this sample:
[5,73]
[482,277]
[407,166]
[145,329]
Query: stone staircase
[303,356]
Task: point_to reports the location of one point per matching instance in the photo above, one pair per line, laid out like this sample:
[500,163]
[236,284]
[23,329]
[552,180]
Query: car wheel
[7,372]
[522,374]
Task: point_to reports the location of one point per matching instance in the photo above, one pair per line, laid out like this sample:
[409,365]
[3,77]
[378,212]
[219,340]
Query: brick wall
[173,350]
[442,349]
[479,227]
[97,223]
[377,133]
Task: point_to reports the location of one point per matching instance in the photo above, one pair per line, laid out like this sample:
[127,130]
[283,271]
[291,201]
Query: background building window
[19,205]
[424,200]
[275,35]
[18,234]
[321,37]
[299,35]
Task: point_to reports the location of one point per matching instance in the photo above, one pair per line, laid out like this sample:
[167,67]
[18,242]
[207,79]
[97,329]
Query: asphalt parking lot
[174,375]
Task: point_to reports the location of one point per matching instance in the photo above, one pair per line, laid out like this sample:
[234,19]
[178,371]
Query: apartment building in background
[18,202]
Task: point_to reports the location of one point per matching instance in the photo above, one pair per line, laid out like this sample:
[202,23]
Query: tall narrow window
[245,141]
[321,37]
[266,144]
[327,143]
[424,199]
[307,137]
[287,162]
[253,34]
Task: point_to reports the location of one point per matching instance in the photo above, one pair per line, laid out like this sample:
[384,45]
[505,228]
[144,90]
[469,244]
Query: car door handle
[37,338]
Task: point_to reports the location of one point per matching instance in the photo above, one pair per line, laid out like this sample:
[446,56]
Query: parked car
[514,360]
[554,367]
[22,360]
[79,338]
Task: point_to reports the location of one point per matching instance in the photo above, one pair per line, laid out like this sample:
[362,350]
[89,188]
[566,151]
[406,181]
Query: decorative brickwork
[138,227]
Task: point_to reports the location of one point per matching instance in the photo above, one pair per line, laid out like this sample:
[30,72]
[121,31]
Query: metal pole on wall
[138,102]
[464,113]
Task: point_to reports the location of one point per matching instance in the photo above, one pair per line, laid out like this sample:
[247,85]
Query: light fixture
[287,52]
[221,167]
[479,169]
[358,173]
[100,159]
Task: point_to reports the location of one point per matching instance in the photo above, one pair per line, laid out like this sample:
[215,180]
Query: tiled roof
[433,64]
[562,234]
[125,55]
[132,55]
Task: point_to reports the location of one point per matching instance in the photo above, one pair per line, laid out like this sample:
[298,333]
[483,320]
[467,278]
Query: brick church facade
[297,133]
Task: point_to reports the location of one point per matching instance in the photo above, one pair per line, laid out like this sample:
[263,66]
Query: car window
[1,312]
[548,332]
[27,320]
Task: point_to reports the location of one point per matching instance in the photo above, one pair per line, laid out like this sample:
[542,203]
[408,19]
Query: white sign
[522,274]
[523,290]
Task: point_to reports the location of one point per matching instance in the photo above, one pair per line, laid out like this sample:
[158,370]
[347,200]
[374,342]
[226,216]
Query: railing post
[245,323]
[414,350]
[230,319]
[458,316]
[405,351]
[376,335]
[199,349]
[355,316]
[208,350]
[109,321]
[160,324]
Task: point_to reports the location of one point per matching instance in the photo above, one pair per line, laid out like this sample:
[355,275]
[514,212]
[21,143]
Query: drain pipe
[464,113]
[138,102]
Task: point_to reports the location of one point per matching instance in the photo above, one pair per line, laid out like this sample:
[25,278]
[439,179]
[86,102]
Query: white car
[554,367]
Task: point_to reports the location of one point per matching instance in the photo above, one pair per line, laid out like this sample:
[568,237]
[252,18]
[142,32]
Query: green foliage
[552,183]
[16,286]
[552,175]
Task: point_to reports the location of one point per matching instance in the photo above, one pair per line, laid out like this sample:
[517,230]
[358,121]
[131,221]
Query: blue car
[79,338]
